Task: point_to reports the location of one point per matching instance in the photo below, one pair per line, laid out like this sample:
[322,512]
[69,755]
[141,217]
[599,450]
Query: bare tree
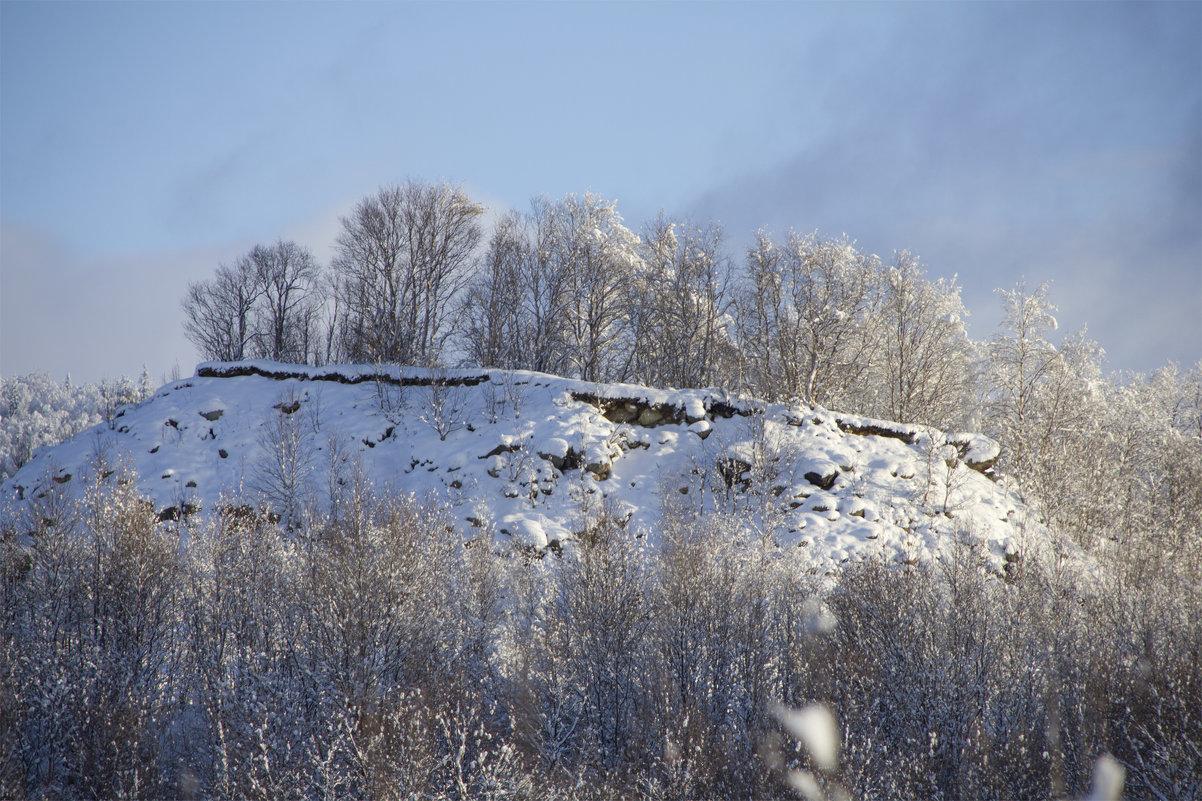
[287,277]
[445,408]
[493,319]
[545,290]
[403,255]
[219,314]
[264,306]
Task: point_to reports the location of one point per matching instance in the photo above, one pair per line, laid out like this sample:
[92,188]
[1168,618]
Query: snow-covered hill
[530,456]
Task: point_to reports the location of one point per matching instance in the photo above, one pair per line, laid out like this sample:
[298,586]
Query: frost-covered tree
[554,291]
[810,318]
[601,616]
[283,473]
[923,369]
[598,257]
[681,330]
[89,657]
[1151,459]
[1020,361]
[36,411]
[380,653]
[1043,403]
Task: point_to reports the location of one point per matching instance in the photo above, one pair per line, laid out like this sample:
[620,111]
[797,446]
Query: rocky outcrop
[531,454]
[338,375]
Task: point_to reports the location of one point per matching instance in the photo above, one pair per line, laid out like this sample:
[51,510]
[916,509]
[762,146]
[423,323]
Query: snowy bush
[380,653]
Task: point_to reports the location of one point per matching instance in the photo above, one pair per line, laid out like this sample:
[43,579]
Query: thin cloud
[104,316]
[999,146]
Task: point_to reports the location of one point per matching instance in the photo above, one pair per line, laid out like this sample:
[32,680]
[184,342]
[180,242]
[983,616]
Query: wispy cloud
[1048,144]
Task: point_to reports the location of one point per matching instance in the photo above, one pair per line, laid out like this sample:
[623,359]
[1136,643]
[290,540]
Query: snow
[539,464]
[814,727]
[1109,776]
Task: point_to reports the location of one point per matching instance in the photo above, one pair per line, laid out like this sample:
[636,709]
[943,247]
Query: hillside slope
[530,456]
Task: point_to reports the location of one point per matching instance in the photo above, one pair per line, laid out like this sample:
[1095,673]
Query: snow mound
[528,457]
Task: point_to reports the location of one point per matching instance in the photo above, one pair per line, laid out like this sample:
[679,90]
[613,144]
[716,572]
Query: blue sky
[142,144]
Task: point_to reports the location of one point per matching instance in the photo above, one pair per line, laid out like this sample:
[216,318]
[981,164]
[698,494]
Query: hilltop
[530,456]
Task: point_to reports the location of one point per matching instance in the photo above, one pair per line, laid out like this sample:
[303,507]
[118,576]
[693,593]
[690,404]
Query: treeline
[377,654]
[567,288]
[37,411]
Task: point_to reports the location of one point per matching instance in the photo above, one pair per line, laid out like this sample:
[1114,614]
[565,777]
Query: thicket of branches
[379,653]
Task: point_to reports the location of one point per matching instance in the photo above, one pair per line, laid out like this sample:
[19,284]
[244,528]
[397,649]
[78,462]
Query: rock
[177,512]
[620,411]
[633,410]
[599,469]
[554,450]
[649,416]
[822,481]
[865,427]
[726,410]
[504,447]
[977,451]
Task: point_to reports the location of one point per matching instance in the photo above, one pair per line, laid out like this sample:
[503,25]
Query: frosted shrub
[444,405]
[374,654]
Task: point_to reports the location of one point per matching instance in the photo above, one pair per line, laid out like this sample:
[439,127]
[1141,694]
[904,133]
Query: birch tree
[404,255]
[810,317]
[679,311]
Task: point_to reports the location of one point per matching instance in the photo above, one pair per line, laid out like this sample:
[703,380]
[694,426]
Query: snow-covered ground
[530,457]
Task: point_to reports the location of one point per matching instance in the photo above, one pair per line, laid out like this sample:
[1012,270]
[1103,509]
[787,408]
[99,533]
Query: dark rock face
[239,370]
[874,430]
[633,410]
[500,449]
[570,461]
[734,472]
[822,481]
[177,512]
[600,470]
